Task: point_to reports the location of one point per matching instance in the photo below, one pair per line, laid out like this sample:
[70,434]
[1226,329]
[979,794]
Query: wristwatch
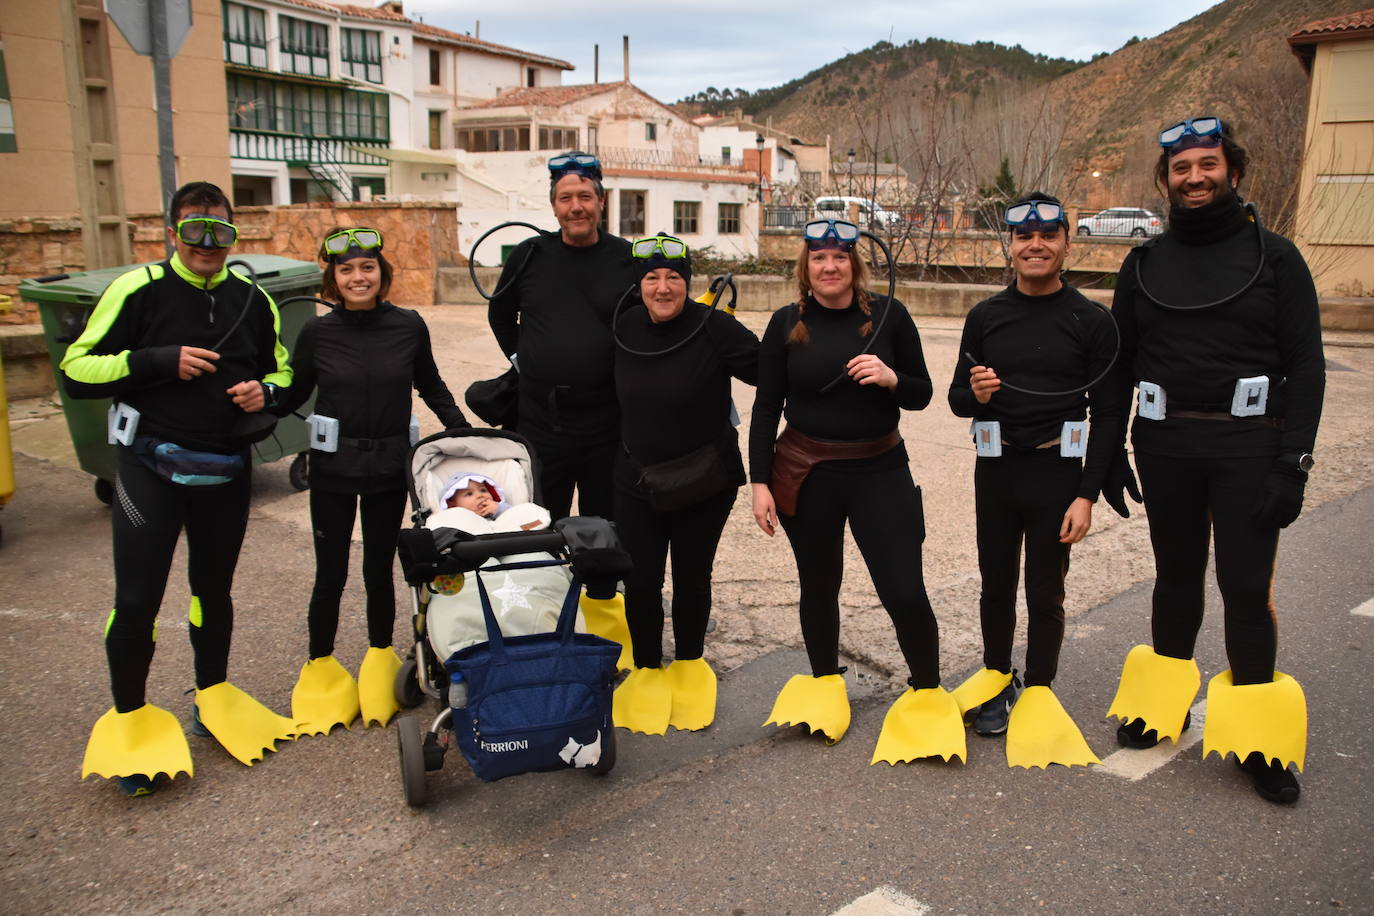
[1303,461]
[269,395]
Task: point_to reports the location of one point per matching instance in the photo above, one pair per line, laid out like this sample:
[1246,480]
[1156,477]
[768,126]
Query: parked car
[1122,221]
[870,212]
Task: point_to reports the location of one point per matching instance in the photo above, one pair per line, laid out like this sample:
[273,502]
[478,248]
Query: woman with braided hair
[840,364]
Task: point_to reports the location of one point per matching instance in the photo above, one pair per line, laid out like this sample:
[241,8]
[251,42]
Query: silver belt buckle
[324,433]
[1251,397]
[987,438]
[1073,441]
[1150,401]
[121,424]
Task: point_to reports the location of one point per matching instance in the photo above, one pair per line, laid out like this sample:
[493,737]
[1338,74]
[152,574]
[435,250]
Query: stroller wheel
[607,761]
[407,686]
[412,760]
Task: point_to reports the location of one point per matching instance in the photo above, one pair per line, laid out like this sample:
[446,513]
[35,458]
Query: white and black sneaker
[993,715]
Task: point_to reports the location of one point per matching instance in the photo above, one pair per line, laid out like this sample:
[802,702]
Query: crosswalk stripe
[884,901]
[1135,765]
[1364,610]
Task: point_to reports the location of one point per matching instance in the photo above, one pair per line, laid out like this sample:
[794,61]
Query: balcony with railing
[623,157]
[276,147]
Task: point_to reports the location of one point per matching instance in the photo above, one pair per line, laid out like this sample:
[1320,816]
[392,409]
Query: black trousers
[692,534]
[1190,501]
[883,508]
[1021,498]
[148,514]
[565,464]
[331,516]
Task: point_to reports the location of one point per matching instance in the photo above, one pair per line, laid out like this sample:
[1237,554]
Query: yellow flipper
[1041,732]
[377,686]
[643,702]
[1268,718]
[922,723]
[325,695]
[819,703]
[1158,689]
[980,687]
[245,727]
[148,740]
[694,694]
[606,618]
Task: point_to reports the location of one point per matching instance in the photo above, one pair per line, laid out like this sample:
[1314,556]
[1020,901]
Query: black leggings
[1023,497]
[148,514]
[331,515]
[693,534]
[883,507]
[1187,500]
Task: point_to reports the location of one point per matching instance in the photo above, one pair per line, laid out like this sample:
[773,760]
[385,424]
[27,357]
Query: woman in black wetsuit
[674,362]
[365,356]
[840,364]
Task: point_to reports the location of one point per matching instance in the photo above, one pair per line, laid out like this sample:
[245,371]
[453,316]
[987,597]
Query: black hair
[200,194]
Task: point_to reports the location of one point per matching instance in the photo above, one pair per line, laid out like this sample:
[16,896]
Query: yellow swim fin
[325,695]
[148,740]
[606,618]
[980,687]
[1157,689]
[245,727]
[819,703]
[643,702]
[377,685]
[1270,719]
[921,723]
[1041,732]
[694,694]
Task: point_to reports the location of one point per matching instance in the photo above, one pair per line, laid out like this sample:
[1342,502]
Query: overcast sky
[678,48]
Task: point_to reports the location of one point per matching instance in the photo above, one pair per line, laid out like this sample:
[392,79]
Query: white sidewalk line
[1364,610]
[885,901]
[1136,765]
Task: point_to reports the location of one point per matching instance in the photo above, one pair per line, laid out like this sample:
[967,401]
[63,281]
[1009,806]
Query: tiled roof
[358,12]
[1334,26]
[553,96]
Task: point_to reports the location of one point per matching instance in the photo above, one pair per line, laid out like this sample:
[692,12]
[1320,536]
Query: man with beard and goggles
[1221,334]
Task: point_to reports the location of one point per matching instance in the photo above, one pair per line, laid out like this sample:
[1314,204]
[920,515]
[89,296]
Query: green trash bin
[65,303]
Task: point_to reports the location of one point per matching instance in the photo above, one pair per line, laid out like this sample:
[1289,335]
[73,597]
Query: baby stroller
[517,689]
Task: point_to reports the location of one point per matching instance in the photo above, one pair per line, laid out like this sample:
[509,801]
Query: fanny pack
[683,481]
[185,466]
[795,454]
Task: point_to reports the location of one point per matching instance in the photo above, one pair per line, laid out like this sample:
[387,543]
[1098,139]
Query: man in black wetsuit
[552,316]
[1221,334]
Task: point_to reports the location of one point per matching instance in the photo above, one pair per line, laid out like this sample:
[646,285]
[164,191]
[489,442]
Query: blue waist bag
[537,702]
[186,466]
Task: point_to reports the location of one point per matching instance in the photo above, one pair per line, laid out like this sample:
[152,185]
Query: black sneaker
[993,715]
[197,727]
[136,785]
[1134,735]
[1273,782]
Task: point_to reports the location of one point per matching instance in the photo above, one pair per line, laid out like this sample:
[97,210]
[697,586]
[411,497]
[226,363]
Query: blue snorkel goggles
[584,164]
[1204,131]
[830,233]
[1032,214]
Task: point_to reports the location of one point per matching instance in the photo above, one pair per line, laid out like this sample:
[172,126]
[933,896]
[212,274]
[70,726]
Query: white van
[870,212]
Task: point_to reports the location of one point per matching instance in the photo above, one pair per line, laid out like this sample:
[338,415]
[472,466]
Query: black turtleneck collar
[1029,299]
[1220,219]
[362,316]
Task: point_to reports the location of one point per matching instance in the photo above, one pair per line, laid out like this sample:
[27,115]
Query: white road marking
[1364,610]
[1136,765]
[885,901]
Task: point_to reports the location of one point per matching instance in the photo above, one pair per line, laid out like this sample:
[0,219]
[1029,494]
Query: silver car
[1122,221]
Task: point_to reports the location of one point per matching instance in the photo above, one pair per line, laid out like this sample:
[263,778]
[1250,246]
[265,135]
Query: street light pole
[758,145]
[851,171]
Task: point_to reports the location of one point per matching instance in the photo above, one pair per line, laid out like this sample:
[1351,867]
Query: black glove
[1281,496]
[1120,480]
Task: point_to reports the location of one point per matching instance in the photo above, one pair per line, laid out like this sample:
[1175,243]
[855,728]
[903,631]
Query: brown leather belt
[795,454]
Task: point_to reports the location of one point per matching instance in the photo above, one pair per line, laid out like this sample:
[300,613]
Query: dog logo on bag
[582,755]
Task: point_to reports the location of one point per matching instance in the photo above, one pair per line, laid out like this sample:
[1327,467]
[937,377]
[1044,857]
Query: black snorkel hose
[524,262]
[717,287]
[243,312]
[1259,268]
[1116,353]
[891,291]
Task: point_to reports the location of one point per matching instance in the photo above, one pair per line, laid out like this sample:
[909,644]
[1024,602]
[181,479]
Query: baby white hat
[460,480]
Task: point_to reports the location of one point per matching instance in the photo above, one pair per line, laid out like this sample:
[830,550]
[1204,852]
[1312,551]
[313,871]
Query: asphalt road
[738,818]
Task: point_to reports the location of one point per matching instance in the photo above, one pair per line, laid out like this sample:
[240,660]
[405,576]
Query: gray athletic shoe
[993,715]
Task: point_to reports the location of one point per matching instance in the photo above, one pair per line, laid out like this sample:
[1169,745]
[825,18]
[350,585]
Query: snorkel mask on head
[351,243]
[830,233]
[1035,215]
[1192,132]
[584,164]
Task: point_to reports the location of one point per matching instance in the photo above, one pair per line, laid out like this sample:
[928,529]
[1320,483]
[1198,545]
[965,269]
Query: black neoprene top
[1196,356]
[675,403]
[1055,342]
[791,377]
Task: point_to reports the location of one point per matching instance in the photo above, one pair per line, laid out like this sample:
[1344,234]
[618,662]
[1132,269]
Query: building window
[558,138]
[529,77]
[258,104]
[650,130]
[9,143]
[727,222]
[632,213]
[725,154]
[492,139]
[436,125]
[368,188]
[434,79]
[304,47]
[245,35]
[360,52]
[686,215]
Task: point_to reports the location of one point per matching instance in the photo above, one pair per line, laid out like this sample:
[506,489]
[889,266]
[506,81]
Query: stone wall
[36,248]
